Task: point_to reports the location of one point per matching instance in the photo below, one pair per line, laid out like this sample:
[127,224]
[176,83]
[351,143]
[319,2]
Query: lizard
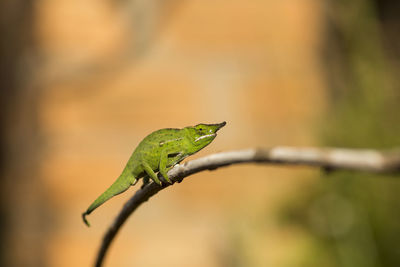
[158,152]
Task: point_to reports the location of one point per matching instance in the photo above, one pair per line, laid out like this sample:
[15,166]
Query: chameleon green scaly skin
[158,152]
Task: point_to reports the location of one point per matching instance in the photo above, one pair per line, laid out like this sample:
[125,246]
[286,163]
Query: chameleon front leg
[164,162]
[149,171]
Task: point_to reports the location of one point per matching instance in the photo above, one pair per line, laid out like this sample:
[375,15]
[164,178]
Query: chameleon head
[203,134]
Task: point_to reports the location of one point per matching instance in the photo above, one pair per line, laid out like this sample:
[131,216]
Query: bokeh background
[82,82]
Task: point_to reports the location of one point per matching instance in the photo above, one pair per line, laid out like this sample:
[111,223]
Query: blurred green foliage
[353,218]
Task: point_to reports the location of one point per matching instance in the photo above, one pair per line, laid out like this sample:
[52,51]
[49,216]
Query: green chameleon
[159,151]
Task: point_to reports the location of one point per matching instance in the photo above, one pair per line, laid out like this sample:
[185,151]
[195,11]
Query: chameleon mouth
[205,136]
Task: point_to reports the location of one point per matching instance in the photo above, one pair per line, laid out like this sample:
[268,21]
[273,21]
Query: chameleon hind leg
[150,172]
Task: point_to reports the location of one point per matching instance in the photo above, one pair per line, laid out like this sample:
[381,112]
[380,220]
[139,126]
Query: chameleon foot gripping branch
[157,152]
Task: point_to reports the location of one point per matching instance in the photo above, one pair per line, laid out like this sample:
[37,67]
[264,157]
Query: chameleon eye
[201,129]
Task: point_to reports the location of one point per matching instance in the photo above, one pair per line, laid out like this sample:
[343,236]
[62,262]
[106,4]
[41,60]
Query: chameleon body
[158,152]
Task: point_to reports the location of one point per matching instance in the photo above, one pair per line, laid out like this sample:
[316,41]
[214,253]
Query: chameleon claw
[166,178]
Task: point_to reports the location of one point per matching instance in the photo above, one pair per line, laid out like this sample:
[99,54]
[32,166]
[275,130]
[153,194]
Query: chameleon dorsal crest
[158,152]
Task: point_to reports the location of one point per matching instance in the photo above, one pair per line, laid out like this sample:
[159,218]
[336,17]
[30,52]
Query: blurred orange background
[104,74]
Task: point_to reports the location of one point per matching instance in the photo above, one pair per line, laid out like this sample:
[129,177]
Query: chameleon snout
[218,126]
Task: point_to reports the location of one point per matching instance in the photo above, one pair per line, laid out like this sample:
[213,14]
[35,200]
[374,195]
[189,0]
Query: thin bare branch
[327,158]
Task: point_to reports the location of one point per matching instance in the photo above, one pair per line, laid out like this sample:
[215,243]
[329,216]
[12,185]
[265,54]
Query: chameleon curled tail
[119,186]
